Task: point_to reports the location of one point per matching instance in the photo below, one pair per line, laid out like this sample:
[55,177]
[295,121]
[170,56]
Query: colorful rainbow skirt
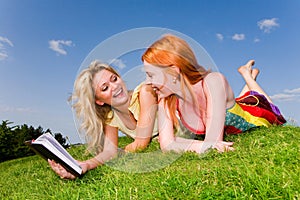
[251,110]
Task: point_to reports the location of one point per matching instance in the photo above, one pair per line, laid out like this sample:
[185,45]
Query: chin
[164,94]
[161,96]
[120,101]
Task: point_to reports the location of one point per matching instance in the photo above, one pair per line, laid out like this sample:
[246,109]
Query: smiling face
[109,89]
[161,81]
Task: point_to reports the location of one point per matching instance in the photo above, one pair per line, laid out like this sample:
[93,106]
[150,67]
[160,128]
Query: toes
[250,63]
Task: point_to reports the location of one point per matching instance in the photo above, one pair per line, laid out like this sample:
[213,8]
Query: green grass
[264,165]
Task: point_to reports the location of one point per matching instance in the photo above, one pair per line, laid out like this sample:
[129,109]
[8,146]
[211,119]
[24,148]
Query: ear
[100,103]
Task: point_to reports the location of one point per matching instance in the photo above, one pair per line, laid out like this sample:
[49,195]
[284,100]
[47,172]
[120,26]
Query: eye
[114,78]
[149,75]
[104,88]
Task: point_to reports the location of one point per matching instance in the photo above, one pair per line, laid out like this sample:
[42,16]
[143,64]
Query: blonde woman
[202,100]
[104,106]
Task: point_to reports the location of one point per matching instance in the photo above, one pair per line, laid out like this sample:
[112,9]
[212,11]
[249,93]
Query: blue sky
[44,43]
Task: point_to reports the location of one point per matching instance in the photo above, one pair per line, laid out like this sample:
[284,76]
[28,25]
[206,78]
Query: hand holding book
[62,172]
[48,148]
[62,163]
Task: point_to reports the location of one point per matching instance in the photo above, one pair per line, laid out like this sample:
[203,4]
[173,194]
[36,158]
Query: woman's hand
[138,144]
[63,173]
[131,147]
[220,146]
[223,146]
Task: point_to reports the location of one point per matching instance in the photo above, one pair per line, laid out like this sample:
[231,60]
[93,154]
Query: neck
[123,109]
[184,93]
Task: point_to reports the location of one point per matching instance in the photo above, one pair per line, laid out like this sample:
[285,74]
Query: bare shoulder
[213,76]
[217,82]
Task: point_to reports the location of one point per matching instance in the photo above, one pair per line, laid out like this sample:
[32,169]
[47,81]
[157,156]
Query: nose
[113,86]
[148,80]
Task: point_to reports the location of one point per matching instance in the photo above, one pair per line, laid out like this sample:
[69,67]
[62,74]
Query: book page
[56,144]
[48,141]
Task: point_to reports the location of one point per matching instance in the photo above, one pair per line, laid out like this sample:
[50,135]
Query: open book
[49,148]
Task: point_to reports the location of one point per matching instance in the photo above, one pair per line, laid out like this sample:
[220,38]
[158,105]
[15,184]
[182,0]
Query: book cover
[49,148]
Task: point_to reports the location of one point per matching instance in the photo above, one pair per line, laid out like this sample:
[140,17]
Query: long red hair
[170,51]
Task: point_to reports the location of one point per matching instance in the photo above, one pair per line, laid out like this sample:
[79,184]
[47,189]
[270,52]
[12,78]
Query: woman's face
[161,81]
[109,89]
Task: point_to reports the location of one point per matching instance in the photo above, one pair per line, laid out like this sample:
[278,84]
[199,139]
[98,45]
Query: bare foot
[247,69]
[255,73]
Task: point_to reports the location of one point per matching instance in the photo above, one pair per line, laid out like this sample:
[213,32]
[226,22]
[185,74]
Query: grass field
[264,165]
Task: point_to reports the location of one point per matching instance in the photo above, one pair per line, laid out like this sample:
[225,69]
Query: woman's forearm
[180,144]
[100,159]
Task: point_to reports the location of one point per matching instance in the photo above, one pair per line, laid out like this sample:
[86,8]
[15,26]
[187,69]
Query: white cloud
[3,43]
[118,63]
[283,97]
[238,37]
[287,95]
[58,45]
[295,91]
[220,36]
[3,55]
[4,108]
[256,40]
[266,25]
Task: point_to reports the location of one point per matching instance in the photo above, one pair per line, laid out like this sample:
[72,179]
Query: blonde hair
[170,51]
[92,116]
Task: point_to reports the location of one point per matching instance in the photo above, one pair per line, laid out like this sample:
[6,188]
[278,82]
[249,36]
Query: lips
[120,91]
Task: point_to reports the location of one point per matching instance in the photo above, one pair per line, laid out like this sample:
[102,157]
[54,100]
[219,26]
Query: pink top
[198,132]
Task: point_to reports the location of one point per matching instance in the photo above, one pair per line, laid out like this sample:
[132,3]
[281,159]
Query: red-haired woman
[203,101]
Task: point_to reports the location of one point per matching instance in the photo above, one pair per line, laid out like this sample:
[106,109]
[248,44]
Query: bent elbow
[110,154]
[113,152]
[165,146]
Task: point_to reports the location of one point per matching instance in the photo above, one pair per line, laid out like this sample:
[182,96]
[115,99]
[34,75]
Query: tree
[61,139]
[12,140]
[6,133]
